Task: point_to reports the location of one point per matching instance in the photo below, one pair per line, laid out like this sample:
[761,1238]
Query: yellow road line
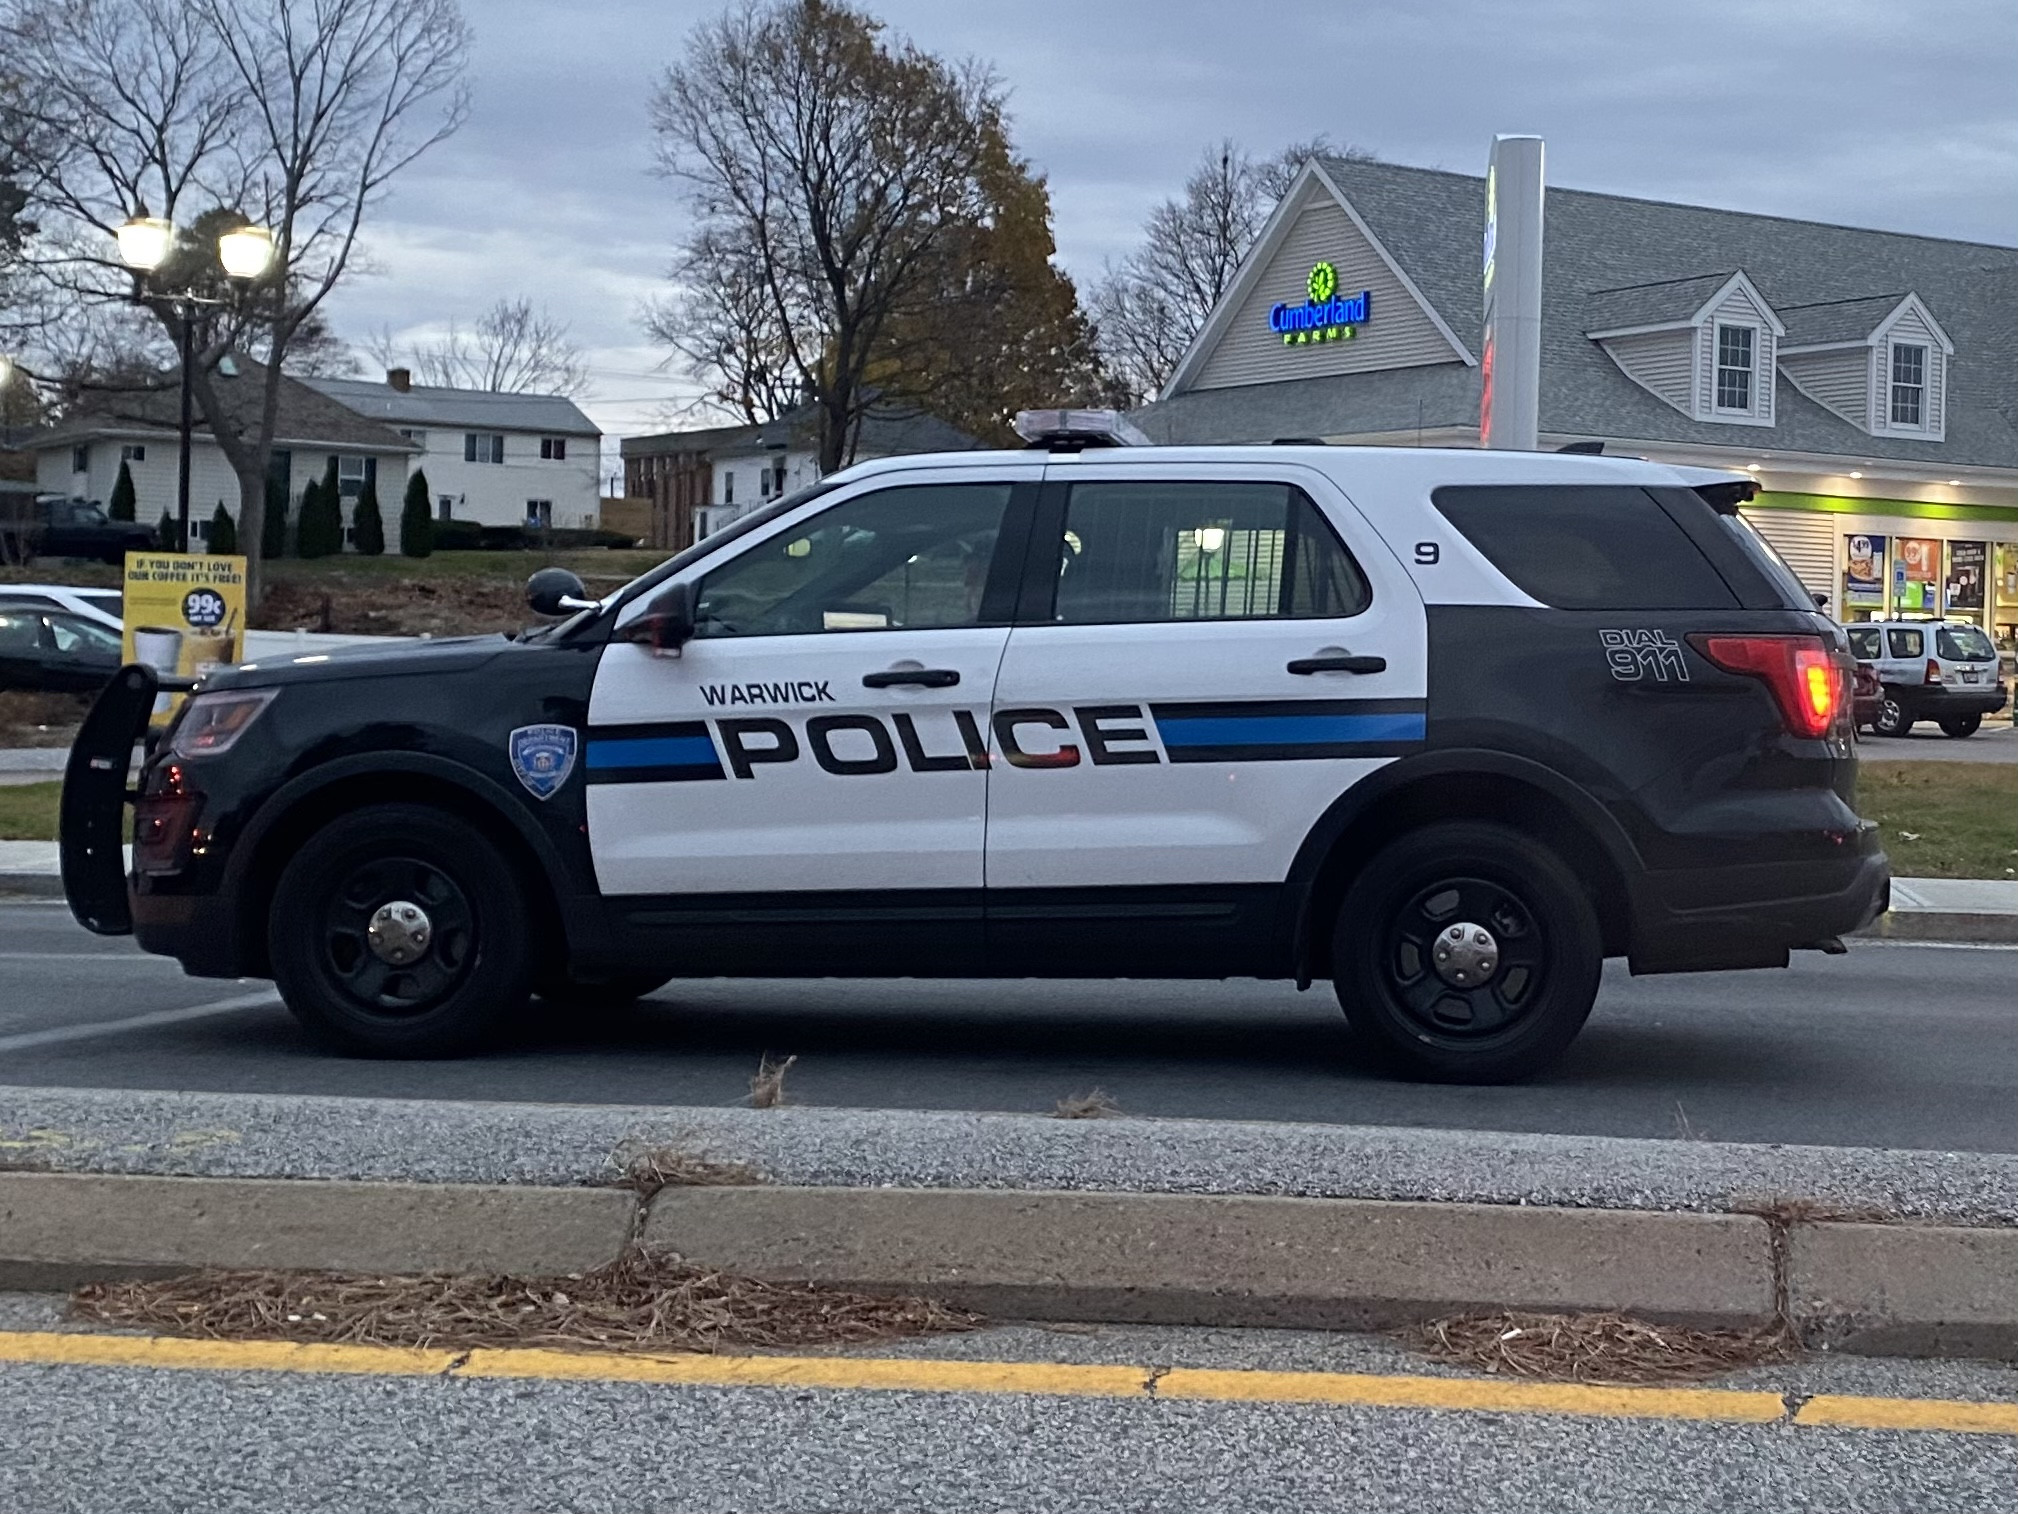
[1374,1390]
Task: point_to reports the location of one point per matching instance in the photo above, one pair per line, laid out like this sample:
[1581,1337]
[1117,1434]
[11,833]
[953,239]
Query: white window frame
[553,449]
[482,447]
[1892,385]
[1718,367]
[133,452]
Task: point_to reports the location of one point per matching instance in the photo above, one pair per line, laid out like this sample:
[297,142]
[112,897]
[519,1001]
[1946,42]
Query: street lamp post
[145,243]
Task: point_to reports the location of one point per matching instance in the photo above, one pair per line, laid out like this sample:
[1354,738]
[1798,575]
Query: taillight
[1806,681]
[1933,672]
[166,831]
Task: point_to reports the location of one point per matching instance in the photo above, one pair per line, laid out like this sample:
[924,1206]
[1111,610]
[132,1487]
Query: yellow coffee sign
[184,612]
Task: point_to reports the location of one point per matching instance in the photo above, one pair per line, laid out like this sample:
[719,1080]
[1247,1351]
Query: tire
[470,975]
[1529,1003]
[563,990]
[1891,719]
[1961,725]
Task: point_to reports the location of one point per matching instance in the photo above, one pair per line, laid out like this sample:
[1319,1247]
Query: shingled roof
[1639,262]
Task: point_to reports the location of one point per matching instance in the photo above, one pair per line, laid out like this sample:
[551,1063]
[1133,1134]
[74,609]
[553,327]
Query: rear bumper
[199,930]
[1932,702]
[1754,914]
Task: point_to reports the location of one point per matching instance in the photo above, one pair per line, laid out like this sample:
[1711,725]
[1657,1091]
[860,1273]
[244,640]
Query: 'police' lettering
[742,757]
[1006,722]
[974,756]
[1100,736]
[819,733]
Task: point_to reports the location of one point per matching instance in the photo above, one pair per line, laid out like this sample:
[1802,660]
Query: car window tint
[1867,642]
[1963,643]
[19,633]
[1908,643]
[1135,552]
[903,558]
[1586,547]
[72,634]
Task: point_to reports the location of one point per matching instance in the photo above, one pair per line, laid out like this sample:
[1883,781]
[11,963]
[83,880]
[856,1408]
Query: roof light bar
[1071,430]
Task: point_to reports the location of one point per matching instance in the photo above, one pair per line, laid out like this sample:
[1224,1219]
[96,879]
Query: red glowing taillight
[1933,672]
[1806,680]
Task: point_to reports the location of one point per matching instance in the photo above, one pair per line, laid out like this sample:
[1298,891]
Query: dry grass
[645,1302]
[1093,1105]
[663,1167]
[1596,1348]
[767,1088]
[29,717]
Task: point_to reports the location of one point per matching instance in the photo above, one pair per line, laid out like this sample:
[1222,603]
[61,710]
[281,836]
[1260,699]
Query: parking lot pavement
[1893,1045]
[1925,743]
[223,1440]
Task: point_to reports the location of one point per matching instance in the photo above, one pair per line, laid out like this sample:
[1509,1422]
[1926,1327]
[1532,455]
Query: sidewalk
[1923,909]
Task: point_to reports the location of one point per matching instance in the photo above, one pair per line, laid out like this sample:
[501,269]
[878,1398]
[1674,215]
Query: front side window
[1587,546]
[1909,643]
[1147,552]
[1735,367]
[917,557]
[1909,384]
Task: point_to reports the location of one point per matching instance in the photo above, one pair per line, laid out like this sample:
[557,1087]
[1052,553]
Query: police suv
[1447,728]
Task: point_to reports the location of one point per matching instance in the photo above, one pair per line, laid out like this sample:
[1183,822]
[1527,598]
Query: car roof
[1411,468]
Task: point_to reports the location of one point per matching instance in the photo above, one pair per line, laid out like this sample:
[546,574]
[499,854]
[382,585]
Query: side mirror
[669,620]
[555,591]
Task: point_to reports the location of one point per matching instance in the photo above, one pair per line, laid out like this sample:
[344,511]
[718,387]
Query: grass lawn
[1938,819]
[28,811]
[1944,819]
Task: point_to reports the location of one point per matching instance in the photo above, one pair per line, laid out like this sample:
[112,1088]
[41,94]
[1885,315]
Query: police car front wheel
[400,930]
[1467,953]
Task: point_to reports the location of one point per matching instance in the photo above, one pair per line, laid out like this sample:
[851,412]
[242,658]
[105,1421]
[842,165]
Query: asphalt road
[1893,1045]
[139,1440]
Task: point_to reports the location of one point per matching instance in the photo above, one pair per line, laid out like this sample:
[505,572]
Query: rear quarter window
[1586,547]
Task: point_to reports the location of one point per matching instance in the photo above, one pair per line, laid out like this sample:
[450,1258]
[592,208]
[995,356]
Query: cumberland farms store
[1867,379]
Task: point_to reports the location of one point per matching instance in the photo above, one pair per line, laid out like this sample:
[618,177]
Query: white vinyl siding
[1808,541]
[1659,361]
[1839,380]
[1398,332]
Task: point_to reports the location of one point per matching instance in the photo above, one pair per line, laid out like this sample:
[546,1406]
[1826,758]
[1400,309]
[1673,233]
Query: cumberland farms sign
[1325,316]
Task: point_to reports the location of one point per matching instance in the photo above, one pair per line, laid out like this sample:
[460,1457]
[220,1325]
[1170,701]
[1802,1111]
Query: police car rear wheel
[400,930]
[1467,953]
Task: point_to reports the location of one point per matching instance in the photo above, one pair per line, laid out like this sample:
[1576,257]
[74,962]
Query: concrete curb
[1189,1259]
[1951,926]
[31,886]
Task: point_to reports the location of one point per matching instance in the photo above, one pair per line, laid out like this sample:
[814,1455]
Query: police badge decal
[543,756]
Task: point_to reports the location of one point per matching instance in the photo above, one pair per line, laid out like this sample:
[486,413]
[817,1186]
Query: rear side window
[1867,642]
[1909,643]
[1586,547]
[1963,644]
[1145,552]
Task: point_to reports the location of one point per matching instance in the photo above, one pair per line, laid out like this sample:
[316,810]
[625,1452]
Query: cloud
[1851,111]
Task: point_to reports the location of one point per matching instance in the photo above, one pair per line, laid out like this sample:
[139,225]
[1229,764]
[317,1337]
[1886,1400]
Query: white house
[497,459]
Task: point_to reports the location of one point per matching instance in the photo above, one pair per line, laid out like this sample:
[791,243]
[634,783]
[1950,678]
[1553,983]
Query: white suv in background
[1939,670]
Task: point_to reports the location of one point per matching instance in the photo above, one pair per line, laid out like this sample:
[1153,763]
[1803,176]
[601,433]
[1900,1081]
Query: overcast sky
[1868,112]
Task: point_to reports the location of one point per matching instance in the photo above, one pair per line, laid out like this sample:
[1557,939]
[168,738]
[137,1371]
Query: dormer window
[1737,367]
[1909,384]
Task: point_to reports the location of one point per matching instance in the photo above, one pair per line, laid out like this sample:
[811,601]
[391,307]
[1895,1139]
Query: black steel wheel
[1465,952]
[1892,719]
[400,930]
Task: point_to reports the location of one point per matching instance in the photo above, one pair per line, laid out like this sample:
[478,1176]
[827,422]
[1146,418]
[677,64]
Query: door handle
[1338,663]
[927,678]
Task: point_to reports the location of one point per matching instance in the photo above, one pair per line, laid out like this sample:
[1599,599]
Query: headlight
[212,722]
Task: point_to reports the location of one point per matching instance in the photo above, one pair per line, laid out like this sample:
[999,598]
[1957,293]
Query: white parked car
[1940,670]
[102,606]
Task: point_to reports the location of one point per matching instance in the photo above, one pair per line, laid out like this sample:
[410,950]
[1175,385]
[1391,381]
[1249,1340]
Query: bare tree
[290,114]
[512,349]
[720,324]
[839,159]
[1150,307]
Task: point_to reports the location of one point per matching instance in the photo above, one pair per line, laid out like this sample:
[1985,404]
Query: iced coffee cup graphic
[205,650]
[160,647]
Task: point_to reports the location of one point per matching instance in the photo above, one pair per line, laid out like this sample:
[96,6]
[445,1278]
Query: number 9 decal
[1428,553]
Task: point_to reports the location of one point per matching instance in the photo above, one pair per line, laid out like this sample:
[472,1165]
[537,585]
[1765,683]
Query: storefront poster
[1967,564]
[1864,572]
[184,612]
[1916,576]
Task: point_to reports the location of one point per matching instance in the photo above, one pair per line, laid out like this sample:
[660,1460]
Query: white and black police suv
[1448,728]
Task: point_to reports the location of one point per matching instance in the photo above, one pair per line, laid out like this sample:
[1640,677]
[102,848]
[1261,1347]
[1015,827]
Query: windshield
[1963,644]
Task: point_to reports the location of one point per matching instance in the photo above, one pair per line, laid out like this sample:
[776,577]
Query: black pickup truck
[51,525]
